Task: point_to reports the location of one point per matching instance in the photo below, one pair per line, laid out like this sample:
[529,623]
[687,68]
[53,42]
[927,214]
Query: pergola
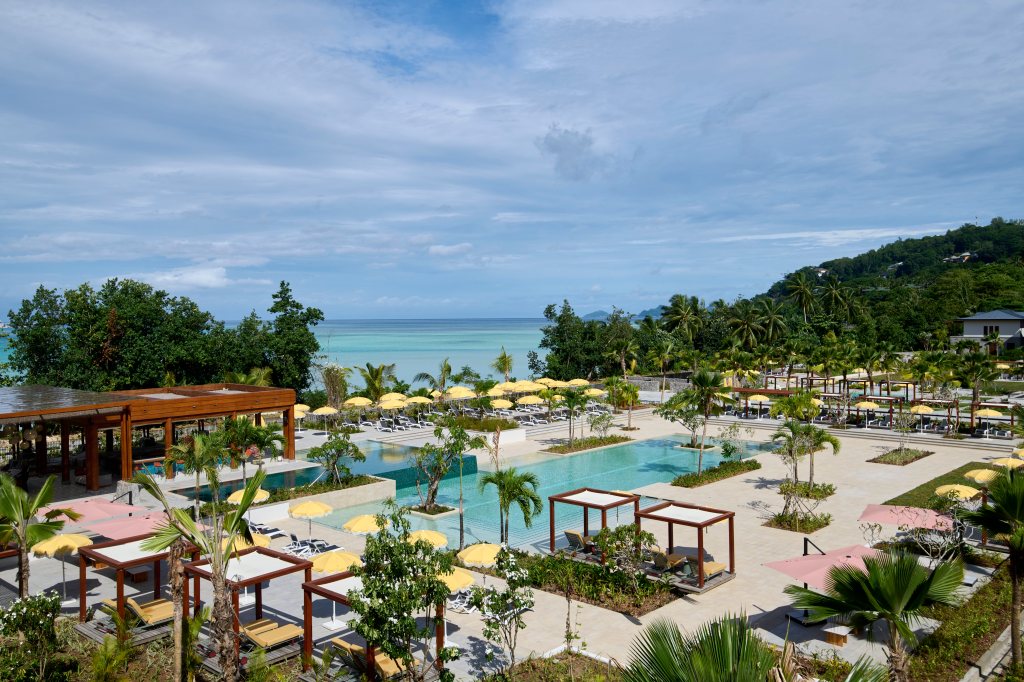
[336,588]
[245,568]
[679,513]
[120,555]
[745,392]
[31,408]
[590,498]
[992,406]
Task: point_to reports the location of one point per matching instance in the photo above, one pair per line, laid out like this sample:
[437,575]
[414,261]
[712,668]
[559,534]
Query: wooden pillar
[109,434]
[259,600]
[168,444]
[604,524]
[126,446]
[307,625]
[586,521]
[257,419]
[120,592]
[41,465]
[700,557]
[551,518]
[65,452]
[371,667]
[81,588]
[671,540]
[732,545]
[92,457]
[289,432]
[156,580]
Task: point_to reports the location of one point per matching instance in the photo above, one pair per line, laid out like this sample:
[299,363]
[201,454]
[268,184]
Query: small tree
[600,423]
[514,487]
[625,549]
[630,396]
[333,454]
[574,402]
[18,524]
[684,414]
[502,609]
[903,425]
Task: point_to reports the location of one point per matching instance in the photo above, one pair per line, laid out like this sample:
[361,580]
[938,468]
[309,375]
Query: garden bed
[924,493]
[562,666]
[802,523]
[804,490]
[438,510]
[488,424]
[901,457]
[587,443]
[726,469]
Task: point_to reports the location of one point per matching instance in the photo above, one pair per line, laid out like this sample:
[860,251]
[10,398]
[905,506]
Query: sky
[428,159]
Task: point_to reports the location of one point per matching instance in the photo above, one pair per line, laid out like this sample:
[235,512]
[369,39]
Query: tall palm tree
[18,524]
[503,364]
[817,439]
[976,370]
[800,290]
[237,436]
[613,385]
[630,395]
[836,297]
[789,439]
[745,323]
[662,355]
[772,321]
[197,454]
[894,589]
[514,487]
[574,401]
[377,378]
[682,317]
[622,351]
[707,394]
[438,382]
[870,358]
[1003,516]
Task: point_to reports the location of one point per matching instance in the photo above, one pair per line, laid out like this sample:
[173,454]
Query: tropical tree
[708,395]
[662,355]
[439,381]
[257,376]
[263,438]
[575,400]
[376,378]
[746,324]
[817,439]
[197,454]
[217,542]
[893,588]
[836,297]
[621,350]
[1003,517]
[335,380]
[976,370]
[682,317]
[18,523]
[613,385]
[800,290]
[630,394]
[514,487]
[792,447]
[237,433]
[332,456]
[772,321]
[503,364]
[801,406]
[501,609]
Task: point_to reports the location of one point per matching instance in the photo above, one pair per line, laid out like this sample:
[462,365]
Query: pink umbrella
[911,517]
[118,529]
[96,509]
[813,569]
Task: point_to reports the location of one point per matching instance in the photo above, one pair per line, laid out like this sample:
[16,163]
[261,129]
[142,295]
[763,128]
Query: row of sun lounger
[686,564]
[305,549]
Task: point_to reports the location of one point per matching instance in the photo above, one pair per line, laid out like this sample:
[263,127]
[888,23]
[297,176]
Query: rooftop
[995,315]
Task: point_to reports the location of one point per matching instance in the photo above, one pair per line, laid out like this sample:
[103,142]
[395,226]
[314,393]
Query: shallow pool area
[621,467]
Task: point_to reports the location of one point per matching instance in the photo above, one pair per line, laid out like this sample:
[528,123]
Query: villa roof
[335,587]
[594,498]
[252,565]
[1001,314]
[685,514]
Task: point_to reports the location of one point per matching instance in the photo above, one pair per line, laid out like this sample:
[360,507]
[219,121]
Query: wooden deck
[690,587]
[273,656]
[99,628]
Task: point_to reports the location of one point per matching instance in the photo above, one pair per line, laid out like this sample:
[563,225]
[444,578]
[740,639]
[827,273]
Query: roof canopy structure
[590,498]
[679,513]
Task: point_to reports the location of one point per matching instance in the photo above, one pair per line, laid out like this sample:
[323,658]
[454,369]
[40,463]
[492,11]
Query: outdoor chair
[150,613]
[268,636]
[383,428]
[386,666]
[711,569]
[666,562]
[579,542]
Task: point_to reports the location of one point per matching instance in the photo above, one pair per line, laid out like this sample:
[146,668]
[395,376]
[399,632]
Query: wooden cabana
[590,498]
[772,393]
[246,568]
[336,588]
[120,555]
[910,387]
[693,516]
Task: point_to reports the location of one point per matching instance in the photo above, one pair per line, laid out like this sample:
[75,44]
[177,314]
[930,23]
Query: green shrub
[726,469]
[587,443]
[285,494]
[819,491]
[489,424]
[901,456]
[799,522]
[28,641]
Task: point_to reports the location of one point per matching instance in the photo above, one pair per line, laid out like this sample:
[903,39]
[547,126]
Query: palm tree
[238,434]
[18,524]
[1003,516]
[800,289]
[621,351]
[197,453]
[217,543]
[257,376]
[772,320]
[514,487]
[976,370]
[745,323]
[630,395]
[837,297]
[503,364]
[815,440]
[438,382]
[613,385]
[791,448]
[707,394]
[575,400]
[377,378]
[870,358]
[662,355]
[682,317]
[894,589]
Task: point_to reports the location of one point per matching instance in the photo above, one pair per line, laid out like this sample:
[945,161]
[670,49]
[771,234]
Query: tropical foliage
[20,526]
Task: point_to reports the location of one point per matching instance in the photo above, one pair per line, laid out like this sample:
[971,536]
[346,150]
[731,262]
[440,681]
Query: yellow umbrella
[593,392]
[483,554]
[578,382]
[959,492]
[866,405]
[758,398]
[432,536]
[527,386]
[1019,452]
[545,380]
[557,398]
[241,543]
[817,402]
[236,497]
[300,415]
[392,404]
[530,400]
[335,562]
[921,409]
[1002,365]
[456,390]
[310,510]
[299,407]
[495,392]
[988,413]
[501,404]
[61,545]
[325,411]
[458,580]
[507,385]
[358,401]
[982,476]
[558,384]
[1008,462]
[418,400]
[392,396]
[363,524]
[436,394]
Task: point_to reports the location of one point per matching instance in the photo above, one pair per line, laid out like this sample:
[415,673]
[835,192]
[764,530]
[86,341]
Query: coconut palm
[503,364]
[682,317]
[197,454]
[265,437]
[377,378]
[707,394]
[439,381]
[662,355]
[237,434]
[791,447]
[622,350]
[746,325]
[800,290]
[817,439]
[18,524]
[613,385]
[514,487]
[630,396]
[836,297]
[894,589]
[1003,516]
[772,321]
[574,401]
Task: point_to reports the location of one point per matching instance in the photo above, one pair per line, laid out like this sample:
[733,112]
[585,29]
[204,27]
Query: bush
[314,399]
[799,522]
[587,443]
[28,640]
[819,491]
[489,424]
[285,494]
[726,469]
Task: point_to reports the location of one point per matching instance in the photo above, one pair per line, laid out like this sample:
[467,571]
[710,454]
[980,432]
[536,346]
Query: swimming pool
[381,459]
[621,467]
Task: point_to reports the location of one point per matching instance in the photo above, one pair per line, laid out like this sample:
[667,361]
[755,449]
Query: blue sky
[450,159]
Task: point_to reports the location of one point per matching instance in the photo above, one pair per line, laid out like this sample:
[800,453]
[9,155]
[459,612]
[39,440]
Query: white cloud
[449,249]
[196,277]
[833,237]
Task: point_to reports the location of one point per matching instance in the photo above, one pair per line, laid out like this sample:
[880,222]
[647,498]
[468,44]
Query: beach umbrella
[1002,365]
[418,400]
[817,402]
[1019,452]
[436,394]
[300,407]
[495,392]
[813,569]
[58,546]
[759,399]
[392,404]
[921,410]
[335,562]
[236,497]
[507,386]
[957,491]
[594,392]
[458,580]
[501,404]
[433,537]
[528,386]
[530,400]
[460,393]
[1008,462]
[483,554]
[557,398]
[392,396]
[982,476]
[358,401]
[578,382]
[866,405]
[241,543]
[363,524]
[559,384]
[310,510]
[987,412]
[325,411]
[545,380]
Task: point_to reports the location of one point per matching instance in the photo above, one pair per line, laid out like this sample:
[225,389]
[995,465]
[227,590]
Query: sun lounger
[150,613]
[273,635]
[387,667]
[666,562]
[578,542]
[711,568]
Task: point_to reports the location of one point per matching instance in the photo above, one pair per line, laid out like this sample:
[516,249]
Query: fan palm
[377,378]
[1003,516]
[894,589]
[976,370]
[800,289]
[18,524]
[257,376]
[514,487]
[438,382]
[503,364]
[707,394]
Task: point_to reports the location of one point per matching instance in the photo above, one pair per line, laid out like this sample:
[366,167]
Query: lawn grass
[919,496]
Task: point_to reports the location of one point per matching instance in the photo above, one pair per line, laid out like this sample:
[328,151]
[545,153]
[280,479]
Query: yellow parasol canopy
[1019,452]
[866,405]
[557,398]
[392,396]
[758,398]
[300,407]
[418,400]
[495,392]
[236,497]
[1002,365]
[578,382]
[455,390]
[558,384]
[59,545]
[530,400]
[432,536]
[325,411]
[959,492]
[358,401]
[310,510]
[501,404]
[987,412]
[363,524]
[335,562]
[483,554]
[241,543]
[1008,462]
[982,476]
[817,402]
[458,580]
[506,386]
[921,409]
[300,415]
[527,386]
[436,394]
[392,404]
[593,392]
[545,380]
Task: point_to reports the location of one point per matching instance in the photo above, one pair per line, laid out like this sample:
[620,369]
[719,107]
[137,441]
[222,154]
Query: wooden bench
[836,635]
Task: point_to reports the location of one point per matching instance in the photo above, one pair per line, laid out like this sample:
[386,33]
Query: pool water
[381,459]
[621,467]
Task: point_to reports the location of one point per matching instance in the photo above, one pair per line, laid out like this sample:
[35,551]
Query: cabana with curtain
[693,516]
